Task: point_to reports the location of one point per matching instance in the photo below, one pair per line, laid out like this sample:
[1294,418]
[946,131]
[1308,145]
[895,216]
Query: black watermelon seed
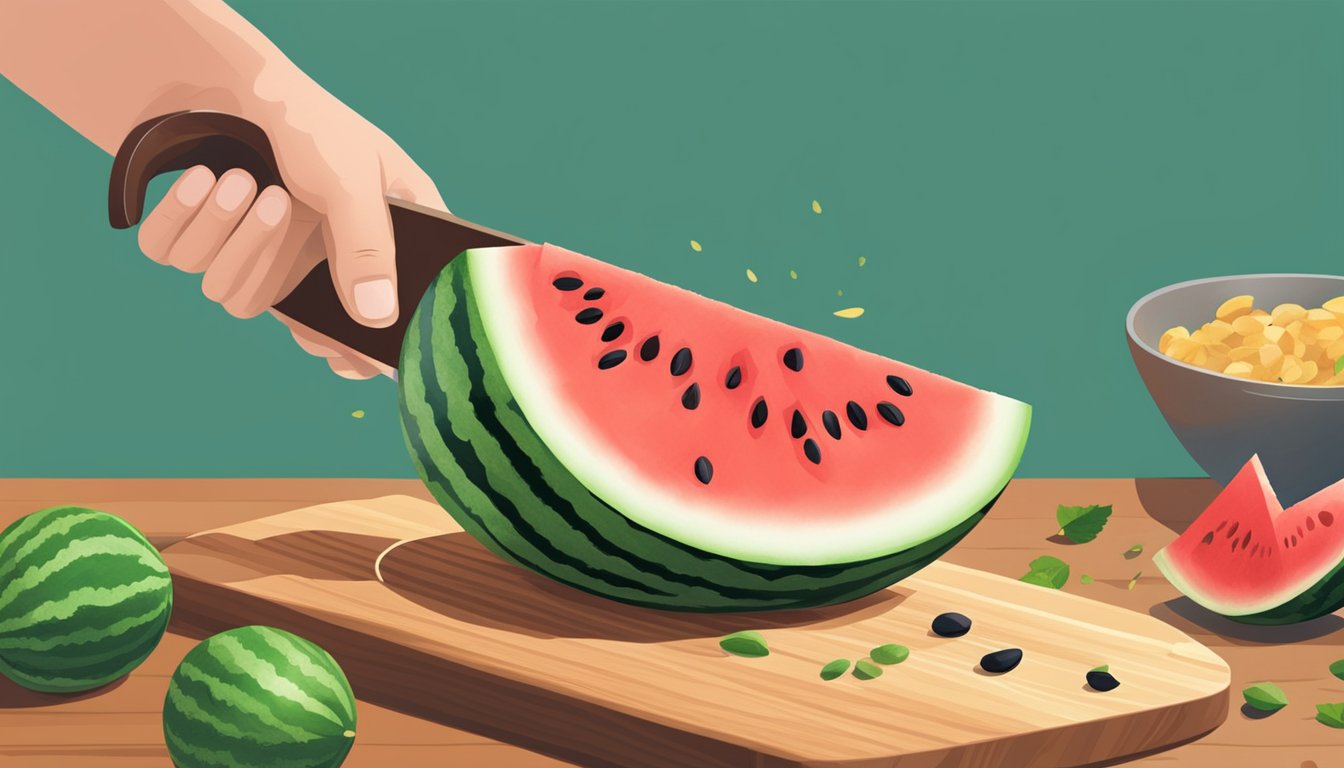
[567,283]
[681,362]
[589,316]
[832,423]
[1102,681]
[793,359]
[812,450]
[611,359]
[891,413]
[734,378]
[798,427]
[690,399]
[856,415]
[900,386]
[704,471]
[593,294]
[758,413]
[951,625]
[613,331]
[649,349]
[1001,661]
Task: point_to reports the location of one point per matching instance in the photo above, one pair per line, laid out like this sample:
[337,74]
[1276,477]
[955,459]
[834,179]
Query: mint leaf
[1047,571]
[1082,524]
[834,669]
[1102,668]
[748,644]
[1330,714]
[1084,579]
[889,654]
[1266,697]
[1337,669]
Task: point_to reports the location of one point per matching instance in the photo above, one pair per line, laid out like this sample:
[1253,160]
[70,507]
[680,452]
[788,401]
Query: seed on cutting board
[613,331]
[681,362]
[611,359]
[834,669]
[890,653]
[1005,660]
[1102,681]
[866,670]
[951,625]
[588,316]
[593,294]
[567,283]
[749,644]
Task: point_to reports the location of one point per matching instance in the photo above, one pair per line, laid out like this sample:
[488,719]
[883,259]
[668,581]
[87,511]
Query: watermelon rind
[84,599]
[986,466]
[486,464]
[1323,595]
[258,697]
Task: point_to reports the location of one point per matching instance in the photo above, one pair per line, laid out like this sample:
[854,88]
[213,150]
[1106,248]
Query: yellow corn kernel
[1217,331]
[1179,332]
[1249,324]
[1235,307]
[1291,372]
[1241,370]
[1287,313]
[1320,318]
[1309,371]
[1335,349]
[1335,305]
[1271,356]
[1327,335]
[1244,353]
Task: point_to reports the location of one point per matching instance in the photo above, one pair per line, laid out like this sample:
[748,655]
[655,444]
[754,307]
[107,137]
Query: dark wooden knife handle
[425,239]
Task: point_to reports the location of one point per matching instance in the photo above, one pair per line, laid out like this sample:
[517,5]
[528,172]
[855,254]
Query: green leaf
[1082,524]
[1266,697]
[834,669]
[1339,365]
[1102,668]
[1084,579]
[1337,669]
[867,670]
[1133,551]
[748,644]
[1047,571]
[889,654]
[1330,714]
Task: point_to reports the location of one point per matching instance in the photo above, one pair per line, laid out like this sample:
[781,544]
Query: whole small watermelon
[256,697]
[84,598]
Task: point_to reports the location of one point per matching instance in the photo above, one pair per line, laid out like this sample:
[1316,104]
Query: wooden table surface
[119,725]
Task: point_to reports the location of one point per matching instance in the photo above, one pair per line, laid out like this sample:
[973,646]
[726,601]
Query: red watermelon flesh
[733,432]
[1248,558]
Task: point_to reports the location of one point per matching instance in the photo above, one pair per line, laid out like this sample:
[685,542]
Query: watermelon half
[1248,558]
[642,442]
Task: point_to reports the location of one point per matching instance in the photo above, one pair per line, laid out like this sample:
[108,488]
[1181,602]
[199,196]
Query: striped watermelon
[258,697]
[640,442]
[84,598]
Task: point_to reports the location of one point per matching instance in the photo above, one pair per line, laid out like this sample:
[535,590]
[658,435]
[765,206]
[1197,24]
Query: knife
[426,239]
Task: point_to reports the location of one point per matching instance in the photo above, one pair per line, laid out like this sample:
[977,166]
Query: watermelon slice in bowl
[641,442]
[1248,558]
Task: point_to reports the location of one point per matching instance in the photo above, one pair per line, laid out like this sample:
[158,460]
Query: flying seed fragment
[751,276]
[695,246]
[849,313]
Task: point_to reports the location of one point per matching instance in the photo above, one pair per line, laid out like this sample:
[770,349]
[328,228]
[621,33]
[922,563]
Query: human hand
[254,246]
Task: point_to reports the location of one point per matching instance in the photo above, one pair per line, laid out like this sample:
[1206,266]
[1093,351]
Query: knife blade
[425,239]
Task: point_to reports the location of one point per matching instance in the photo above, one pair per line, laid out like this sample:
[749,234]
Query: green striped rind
[84,598]
[1323,597]
[486,465]
[258,696]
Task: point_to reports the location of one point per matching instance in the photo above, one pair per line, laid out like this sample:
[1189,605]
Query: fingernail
[195,185]
[271,208]
[232,191]
[375,299]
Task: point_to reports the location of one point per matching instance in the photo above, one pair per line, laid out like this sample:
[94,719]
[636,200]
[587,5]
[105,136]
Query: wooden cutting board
[425,620]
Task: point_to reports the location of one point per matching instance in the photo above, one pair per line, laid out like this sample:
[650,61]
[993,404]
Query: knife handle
[221,141]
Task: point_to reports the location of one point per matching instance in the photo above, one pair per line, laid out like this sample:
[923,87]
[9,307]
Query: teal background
[1016,173]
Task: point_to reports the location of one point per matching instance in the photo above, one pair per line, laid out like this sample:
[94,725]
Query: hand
[254,246]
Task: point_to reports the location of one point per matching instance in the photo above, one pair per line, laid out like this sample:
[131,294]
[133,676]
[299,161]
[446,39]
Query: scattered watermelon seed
[704,471]
[759,412]
[999,662]
[695,246]
[856,415]
[567,283]
[832,423]
[649,349]
[593,294]
[1102,681]
[690,399]
[812,450]
[793,359]
[900,386]
[611,359]
[797,427]
[951,625]
[751,276]
[613,331]
[734,378]
[589,316]
[681,361]
[359,414]
[891,413]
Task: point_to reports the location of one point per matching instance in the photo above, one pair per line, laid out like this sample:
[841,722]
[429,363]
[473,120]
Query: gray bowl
[1223,420]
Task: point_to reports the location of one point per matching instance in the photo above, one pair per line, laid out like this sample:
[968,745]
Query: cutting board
[425,620]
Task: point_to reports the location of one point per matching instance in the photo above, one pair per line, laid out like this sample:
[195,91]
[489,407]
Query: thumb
[361,254]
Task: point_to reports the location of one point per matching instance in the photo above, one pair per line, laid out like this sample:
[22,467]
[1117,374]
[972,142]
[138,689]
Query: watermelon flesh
[701,456]
[1248,558]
